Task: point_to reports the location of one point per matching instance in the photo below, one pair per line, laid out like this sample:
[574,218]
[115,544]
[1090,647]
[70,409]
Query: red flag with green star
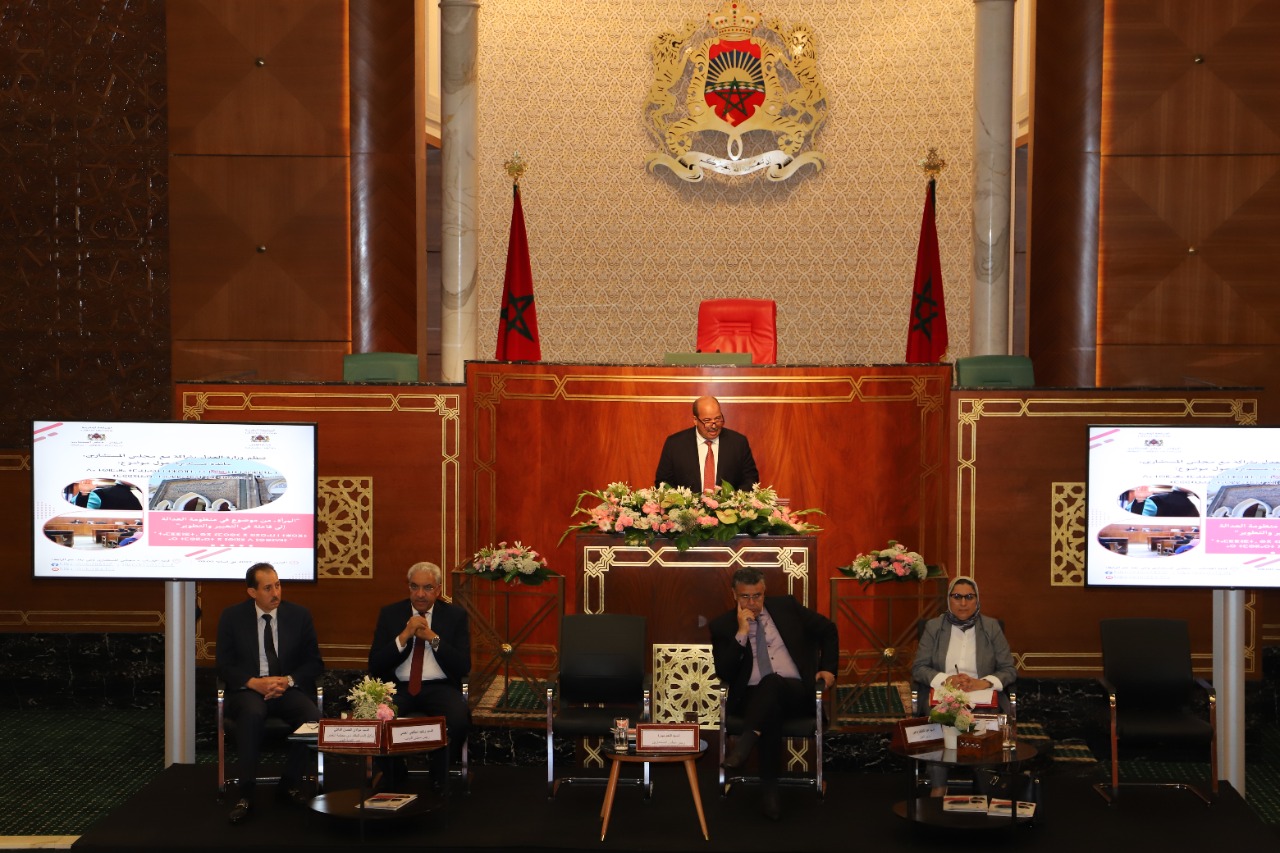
[927,333]
[518,324]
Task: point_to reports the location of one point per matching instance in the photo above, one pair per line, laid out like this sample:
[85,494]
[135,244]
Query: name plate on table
[976,744]
[415,733]
[676,737]
[363,736]
[917,733]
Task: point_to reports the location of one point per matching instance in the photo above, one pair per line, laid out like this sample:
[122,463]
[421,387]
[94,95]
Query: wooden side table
[618,758]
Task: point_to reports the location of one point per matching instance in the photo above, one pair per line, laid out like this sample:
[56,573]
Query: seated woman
[965,649]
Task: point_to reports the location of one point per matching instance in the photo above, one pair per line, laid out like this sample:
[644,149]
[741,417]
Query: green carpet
[60,771]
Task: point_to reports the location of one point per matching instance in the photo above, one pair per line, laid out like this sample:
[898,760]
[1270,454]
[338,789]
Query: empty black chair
[601,676]
[1146,665]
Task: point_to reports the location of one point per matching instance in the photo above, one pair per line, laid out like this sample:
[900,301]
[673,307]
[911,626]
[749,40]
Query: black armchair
[601,676]
[1152,695]
[803,726]
[277,730]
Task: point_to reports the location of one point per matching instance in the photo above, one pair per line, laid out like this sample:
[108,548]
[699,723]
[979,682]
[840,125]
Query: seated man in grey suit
[269,659]
[707,454]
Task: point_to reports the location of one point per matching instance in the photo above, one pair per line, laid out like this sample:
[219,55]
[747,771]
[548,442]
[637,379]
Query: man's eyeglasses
[754,596]
[718,419]
[963,596]
[413,587]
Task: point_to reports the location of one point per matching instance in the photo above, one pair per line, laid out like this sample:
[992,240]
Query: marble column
[992,169]
[459,46]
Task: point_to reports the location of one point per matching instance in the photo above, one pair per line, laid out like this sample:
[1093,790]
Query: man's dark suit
[238,633]
[678,464]
[442,697]
[813,643]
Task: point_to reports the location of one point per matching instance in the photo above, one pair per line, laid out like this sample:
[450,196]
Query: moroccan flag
[518,324]
[927,334]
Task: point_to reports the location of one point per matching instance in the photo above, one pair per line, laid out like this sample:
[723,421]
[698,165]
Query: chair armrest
[1107,686]
[1208,688]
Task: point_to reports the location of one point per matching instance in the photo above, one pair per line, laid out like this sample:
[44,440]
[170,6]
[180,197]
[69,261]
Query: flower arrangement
[953,709]
[688,517]
[894,563]
[510,563]
[371,700]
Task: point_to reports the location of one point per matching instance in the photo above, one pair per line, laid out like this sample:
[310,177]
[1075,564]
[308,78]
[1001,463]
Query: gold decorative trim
[1066,550]
[448,407]
[344,548]
[1067,529]
[684,677]
[15,462]
[598,560]
[96,619]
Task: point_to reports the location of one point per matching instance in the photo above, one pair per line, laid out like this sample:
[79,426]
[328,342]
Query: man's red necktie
[415,668]
[709,468]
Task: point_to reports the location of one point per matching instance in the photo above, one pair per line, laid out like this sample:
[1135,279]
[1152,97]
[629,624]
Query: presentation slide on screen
[1183,506]
[173,501]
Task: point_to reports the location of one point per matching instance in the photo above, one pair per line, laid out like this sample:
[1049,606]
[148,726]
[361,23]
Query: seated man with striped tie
[707,454]
[269,659]
[770,652]
[423,645]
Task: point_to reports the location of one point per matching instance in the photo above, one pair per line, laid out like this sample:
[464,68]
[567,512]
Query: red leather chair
[739,325]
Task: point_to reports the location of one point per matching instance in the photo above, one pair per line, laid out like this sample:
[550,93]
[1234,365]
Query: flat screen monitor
[1183,506]
[173,500]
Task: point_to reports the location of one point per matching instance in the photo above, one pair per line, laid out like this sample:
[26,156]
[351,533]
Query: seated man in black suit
[769,683]
[685,462]
[269,659]
[423,645]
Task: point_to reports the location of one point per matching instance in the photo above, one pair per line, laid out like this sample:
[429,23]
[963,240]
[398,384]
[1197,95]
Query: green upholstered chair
[380,367]
[994,371]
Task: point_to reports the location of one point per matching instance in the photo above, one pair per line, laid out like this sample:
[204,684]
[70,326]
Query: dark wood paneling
[1019,467]
[1175,365]
[84,226]
[258,361]
[384,149]
[1188,252]
[405,443]
[254,77]
[1192,78]
[864,444]
[1066,92]
[223,209]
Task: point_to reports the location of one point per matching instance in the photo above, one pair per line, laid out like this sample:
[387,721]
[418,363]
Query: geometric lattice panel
[1066,545]
[344,541]
[683,681]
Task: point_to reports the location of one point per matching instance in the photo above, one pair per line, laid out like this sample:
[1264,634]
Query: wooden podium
[679,592]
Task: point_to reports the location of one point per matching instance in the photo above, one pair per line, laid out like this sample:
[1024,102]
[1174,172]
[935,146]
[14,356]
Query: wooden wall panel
[1062,189]
[255,77]
[1018,464]
[390,495]
[257,361]
[50,605]
[260,249]
[1192,77]
[1187,253]
[864,444]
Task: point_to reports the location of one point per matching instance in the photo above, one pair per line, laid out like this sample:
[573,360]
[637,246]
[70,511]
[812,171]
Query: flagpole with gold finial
[932,164]
[515,169]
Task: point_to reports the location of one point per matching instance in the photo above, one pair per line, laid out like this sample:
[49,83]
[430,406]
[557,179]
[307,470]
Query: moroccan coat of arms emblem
[752,88]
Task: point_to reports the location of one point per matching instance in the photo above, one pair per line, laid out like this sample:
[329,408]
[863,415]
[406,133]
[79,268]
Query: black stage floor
[507,810]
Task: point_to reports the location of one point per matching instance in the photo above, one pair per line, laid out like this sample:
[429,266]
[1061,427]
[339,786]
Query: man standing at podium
[707,454]
[770,652]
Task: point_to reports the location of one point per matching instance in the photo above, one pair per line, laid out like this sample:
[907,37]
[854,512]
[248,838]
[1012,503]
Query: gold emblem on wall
[749,87]
[344,541]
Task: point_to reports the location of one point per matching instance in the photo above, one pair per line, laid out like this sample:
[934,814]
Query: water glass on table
[620,726]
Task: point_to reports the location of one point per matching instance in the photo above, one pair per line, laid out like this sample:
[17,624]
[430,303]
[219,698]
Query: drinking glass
[620,726]
[1008,736]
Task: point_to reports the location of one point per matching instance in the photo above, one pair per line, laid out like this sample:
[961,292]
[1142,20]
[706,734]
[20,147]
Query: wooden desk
[688,759]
